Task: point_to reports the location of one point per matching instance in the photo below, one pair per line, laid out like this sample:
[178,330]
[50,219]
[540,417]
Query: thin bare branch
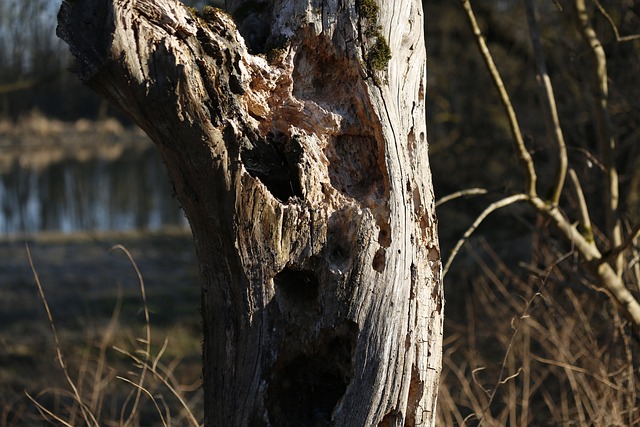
[516,328]
[585,219]
[607,141]
[491,208]
[521,149]
[606,274]
[569,232]
[546,89]
[628,242]
[510,377]
[591,159]
[574,368]
[634,265]
[614,27]
[46,412]
[145,391]
[461,193]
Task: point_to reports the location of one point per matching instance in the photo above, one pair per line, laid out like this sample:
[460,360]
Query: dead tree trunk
[301,164]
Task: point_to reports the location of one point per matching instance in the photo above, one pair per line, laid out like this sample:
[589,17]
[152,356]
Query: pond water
[75,193]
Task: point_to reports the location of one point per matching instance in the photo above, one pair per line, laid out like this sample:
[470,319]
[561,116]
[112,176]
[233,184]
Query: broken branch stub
[304,176]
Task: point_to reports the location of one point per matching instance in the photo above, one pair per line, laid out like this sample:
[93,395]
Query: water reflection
[131,191]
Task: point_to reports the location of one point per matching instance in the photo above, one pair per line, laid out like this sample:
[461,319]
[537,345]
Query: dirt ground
[85,279]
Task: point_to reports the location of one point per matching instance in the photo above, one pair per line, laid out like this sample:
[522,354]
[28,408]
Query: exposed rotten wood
[306,183]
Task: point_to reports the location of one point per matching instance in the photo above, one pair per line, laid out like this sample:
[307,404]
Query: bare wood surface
[302,168]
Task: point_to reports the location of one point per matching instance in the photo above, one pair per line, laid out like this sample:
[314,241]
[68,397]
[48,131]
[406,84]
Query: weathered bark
[306,183]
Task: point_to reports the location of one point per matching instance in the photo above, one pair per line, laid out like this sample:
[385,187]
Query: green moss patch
[379,55]
[369,10]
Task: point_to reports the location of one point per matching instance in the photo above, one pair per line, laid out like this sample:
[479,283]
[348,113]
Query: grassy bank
[95,299]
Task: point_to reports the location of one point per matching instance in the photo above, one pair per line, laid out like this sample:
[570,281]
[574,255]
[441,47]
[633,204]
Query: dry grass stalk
[93,399]
[565,357]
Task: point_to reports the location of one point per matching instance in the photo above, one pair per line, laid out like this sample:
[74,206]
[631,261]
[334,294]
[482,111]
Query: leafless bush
[605,249]
[538,350]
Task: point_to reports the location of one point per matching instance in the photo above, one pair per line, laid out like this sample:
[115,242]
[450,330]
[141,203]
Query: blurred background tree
[34,65]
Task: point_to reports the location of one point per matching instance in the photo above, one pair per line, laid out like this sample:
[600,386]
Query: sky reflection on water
[132,191]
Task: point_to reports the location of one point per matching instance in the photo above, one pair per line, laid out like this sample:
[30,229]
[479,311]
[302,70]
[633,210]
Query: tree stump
[300,159]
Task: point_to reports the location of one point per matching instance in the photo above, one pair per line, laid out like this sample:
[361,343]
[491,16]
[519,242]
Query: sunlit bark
[301,163]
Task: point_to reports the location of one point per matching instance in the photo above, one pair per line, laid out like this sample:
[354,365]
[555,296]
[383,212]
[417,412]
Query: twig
[491,208]
[582,206]
[605,133]
[628,242]
[474,402]
[587,250]
[549,98]
[614,27]
[501,381]
[634,264]
[592,160]
[86,413]
[571,235]
[577,369]
[45,412]
[477,382]
[521,149]
[605,273]
[461,193]
[145,391]
[510,377]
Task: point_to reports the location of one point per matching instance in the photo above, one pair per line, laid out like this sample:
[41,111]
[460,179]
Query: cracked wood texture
[302,168]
